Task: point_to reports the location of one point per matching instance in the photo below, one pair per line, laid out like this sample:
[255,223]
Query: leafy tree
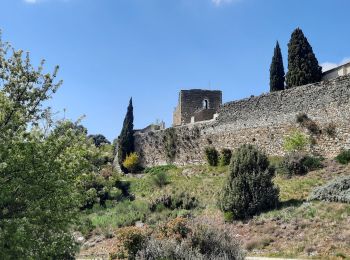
[277,70]
[303,66]
[126,138]
[248,189]
[99,140]
[38,167]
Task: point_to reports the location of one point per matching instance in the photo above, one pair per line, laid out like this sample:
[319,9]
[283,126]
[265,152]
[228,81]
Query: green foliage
[99,140]
[98,187]
[170,139]
[124,213]
[297,141]
[212,156]
[132,162]
[38,167]
[277,70]
[180,200]
[126,137]
[298,163]
[160,179]
[303,66]
[248,189]
[225,157]
[343,157]
[161,168]
[337,190]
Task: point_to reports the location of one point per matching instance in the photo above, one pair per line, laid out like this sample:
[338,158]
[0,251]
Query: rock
[139,224]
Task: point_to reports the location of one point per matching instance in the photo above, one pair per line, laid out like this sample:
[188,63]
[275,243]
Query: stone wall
[264,120]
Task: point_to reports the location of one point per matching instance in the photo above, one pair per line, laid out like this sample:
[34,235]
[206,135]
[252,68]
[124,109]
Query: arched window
[205,104]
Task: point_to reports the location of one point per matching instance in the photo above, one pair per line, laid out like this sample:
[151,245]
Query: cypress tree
[303,65]
[126,137]
[277,70]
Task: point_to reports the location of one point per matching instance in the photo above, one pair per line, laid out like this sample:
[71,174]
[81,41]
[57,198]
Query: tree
[277,70]
[38,167]
[303,66]
[99,140]
[126,137]
[248,189]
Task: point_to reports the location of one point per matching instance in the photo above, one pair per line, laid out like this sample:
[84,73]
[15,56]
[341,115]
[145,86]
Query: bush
[132,162]
[343,157]
[132,240]
[225,157]
[181,200]
[99,188]
[212,156]
[337,190]
[330,129]
[249,189]
[192,241]
[308,123]
[160,179]
[298,163]
[297,141]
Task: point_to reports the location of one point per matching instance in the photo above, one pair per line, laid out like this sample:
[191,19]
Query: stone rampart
[264,120]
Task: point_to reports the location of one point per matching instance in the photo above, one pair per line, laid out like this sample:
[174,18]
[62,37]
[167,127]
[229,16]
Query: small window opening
[205,104]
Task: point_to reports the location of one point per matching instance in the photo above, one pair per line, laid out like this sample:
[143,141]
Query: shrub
[249,189]
[308,123]
[330,129]
[212,156]
[132,240]
[337,190]
[177,228]
[160,179]
[297,163]
[192,241]
[343,157]
[313,163]
[182,200]
[99,187]
[297,141]
[132,162]
[225,157]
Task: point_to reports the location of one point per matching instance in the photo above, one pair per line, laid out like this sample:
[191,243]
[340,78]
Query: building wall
[339,71]
[264,121]
[191,101]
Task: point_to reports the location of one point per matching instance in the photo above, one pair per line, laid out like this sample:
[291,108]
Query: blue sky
[110,50]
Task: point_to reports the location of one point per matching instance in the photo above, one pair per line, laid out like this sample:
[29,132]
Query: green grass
[125,213]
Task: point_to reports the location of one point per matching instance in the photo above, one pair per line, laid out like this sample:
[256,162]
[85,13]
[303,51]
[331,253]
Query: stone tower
[196,105]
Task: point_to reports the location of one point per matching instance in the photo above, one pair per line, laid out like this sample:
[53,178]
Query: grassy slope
[298,229]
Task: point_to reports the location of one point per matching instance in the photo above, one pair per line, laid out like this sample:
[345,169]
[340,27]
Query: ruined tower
[196,105]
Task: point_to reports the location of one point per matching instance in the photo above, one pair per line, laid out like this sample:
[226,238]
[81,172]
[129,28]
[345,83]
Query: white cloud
[222,2]
[331,65]
[31,1]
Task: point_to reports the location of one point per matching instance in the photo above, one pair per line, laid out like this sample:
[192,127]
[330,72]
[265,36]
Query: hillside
[298,228]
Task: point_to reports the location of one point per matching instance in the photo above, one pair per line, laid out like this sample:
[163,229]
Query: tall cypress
[126,137]
[277,70]
[303,65]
